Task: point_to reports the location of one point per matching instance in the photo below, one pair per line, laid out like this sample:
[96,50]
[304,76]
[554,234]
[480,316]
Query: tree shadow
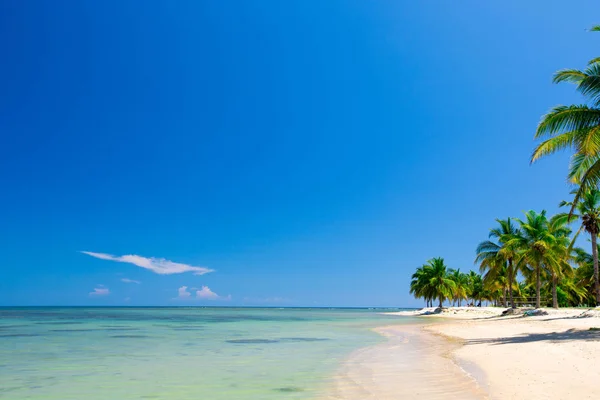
[555,337]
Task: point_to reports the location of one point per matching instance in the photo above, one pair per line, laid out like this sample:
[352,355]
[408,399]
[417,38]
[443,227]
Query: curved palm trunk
[554,293]
[441,300]
[538,286]
[596,275]
[510,283]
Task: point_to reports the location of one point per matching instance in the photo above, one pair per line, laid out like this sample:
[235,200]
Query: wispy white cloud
[127,280]
[160,266]
[100,291]
[201,294]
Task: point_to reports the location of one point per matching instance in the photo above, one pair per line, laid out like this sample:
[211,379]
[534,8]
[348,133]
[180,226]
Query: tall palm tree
[419,285]
[495,256]
[562,254]
[495,281]
[439,283]
[588,211]
[576,127]
[534,244]
[584,275]
[461,282]
[475,285]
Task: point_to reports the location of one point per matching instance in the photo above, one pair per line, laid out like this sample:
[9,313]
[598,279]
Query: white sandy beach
[544,357]
[469,353]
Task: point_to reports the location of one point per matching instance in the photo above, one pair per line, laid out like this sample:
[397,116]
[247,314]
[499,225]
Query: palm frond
[589,180]
[553,145]
[569,75]
[567,118]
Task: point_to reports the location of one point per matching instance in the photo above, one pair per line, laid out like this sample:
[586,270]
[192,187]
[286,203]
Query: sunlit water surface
[178,353]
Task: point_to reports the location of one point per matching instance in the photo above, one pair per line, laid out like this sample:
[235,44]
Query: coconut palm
[495,257]
[559,266]
[439,284]
[576,127]
[495,282]
[588,211]
[475,284]
[584,274]
[461,282]
[535,245]
[419,285]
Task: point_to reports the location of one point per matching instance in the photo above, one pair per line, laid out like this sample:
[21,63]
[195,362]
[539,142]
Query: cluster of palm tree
[541,251]
[532,260]
[434,281]
[535,259]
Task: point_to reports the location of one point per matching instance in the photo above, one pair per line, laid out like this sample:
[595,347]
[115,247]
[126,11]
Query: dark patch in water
[19,334]
[129,336]
[114,326]
[290,389]
[304,339]
[9,389]
[12,326]
[187,328]
[119,329]
[94,330]
[59,323]
[252,341]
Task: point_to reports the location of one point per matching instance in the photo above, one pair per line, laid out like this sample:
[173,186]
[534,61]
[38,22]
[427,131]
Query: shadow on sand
[570,335]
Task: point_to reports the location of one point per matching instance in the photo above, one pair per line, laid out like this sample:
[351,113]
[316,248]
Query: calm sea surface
[177,353]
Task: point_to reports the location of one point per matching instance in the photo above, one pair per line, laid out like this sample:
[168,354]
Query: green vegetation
[534,260]
[433,281]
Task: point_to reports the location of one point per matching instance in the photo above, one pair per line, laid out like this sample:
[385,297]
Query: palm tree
[588,211]
[439,284]
[584,274]
[461,282]
[494,257]
[419,285]
[475,285]
[576,127]
[562,254]
[495,282]
[534,244]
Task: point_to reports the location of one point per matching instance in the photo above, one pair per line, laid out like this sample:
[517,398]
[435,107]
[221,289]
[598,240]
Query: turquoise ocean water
[178,353]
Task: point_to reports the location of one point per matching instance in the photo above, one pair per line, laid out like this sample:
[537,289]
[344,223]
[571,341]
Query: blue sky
[307,153]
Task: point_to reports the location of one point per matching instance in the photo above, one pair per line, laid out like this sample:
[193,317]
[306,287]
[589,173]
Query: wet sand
[413,363]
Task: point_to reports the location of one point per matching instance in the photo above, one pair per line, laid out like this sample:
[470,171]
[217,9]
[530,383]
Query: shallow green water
[177,353]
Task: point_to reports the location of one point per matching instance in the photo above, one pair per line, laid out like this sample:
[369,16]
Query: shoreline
[475,353]
[411,363]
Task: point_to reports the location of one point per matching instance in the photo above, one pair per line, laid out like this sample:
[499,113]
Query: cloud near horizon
[127,280]
[100,291]
[159,266]
[201,294]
